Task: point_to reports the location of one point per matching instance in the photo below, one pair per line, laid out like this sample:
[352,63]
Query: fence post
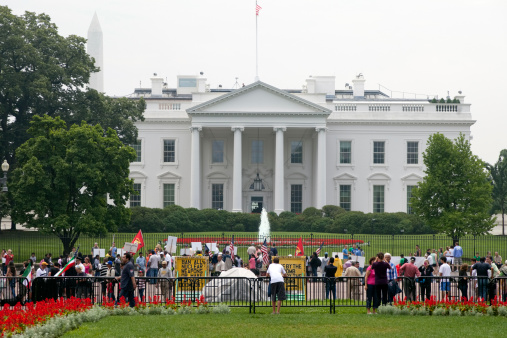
[311,241]
[392,245]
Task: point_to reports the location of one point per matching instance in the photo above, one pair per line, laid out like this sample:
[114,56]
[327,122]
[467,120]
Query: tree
[455,196]
[42,72]
[65,177]
[498,178]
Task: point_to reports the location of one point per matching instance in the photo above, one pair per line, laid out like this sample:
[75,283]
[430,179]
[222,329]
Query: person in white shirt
[445,271]
[79,264]
[220,266]
[276,272]
[42,271]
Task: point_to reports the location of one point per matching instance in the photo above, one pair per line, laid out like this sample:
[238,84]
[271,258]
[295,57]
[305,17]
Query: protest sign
[191,267]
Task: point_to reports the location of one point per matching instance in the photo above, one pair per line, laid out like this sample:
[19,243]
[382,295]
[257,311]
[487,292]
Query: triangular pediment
[258,98]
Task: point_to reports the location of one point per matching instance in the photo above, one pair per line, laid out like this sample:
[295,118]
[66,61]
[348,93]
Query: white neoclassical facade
[285,150]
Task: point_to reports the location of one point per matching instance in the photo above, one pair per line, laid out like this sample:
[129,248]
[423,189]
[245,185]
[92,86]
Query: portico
[268,132]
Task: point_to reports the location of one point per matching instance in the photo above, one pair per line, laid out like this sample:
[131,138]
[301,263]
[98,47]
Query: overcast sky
[425,47]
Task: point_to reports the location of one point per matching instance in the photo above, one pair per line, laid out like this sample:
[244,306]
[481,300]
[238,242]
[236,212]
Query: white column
[237,185]
[279,176]
[320,187]
[195,169]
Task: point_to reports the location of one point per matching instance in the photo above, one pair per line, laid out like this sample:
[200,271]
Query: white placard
[120,252]
[359,259]
[100,252]
[419,261]
[196,246]
[213,247]
[130,247]
[187,252]
[171,244]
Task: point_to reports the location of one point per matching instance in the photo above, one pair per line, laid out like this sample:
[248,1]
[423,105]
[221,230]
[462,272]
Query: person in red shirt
[9,257]
[410,271]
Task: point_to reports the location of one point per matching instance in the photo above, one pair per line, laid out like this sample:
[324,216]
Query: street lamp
[5,168]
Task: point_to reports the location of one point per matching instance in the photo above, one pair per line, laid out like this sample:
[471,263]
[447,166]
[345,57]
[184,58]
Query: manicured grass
[301,322]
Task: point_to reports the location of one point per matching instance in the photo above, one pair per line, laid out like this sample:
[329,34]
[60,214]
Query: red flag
[139,240]
[299,248]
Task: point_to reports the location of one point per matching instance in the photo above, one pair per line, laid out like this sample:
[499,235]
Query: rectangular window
[137,148]
[257,151]
[217,151]
[168,194]
[409,197]
[412,152]
[217,196]
[345,197]
[169,150]
[187,82]
[379,152]
[378,198]
[135,198]
[296,152]
[296,198]
[345,152]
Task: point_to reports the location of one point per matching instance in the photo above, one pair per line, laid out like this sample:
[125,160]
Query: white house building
[284,150]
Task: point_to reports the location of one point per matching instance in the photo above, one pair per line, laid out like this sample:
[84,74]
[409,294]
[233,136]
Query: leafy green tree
[498,178]
[65,177]
[44,73]
[41,72]
[455,196]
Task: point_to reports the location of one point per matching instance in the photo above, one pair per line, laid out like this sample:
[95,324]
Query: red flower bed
[278,241]
[17,319]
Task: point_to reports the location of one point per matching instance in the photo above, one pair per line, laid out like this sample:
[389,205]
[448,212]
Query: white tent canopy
[233,285]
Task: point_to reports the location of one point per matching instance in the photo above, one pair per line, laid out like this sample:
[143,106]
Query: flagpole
[256,45]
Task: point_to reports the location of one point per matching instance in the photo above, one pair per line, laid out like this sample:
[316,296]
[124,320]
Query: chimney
[156,85]
[358,84]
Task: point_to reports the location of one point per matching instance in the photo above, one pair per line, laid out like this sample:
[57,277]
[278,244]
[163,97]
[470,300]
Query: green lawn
[301,322]
[24,243]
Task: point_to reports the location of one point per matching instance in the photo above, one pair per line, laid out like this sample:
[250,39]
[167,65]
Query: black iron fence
[23,244]
[253,293]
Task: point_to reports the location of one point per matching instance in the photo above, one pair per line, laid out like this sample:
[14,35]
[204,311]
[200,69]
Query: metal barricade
[252,293]
[13,290]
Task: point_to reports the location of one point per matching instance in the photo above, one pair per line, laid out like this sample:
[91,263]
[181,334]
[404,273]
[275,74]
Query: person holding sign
[276,272]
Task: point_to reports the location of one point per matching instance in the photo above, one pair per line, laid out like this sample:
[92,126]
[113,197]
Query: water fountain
[264,230]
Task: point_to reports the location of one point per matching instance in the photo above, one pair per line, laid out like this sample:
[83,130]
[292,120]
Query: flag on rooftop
[257,9]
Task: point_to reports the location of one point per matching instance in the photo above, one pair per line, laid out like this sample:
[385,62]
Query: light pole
[5,169]
[3,181]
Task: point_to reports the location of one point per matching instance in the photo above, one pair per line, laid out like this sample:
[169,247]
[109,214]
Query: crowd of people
[379,278]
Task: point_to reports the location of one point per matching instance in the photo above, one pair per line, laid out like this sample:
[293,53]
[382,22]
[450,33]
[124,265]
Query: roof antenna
[236,84]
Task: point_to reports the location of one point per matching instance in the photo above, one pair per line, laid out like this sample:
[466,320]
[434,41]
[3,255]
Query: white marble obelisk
[95,49]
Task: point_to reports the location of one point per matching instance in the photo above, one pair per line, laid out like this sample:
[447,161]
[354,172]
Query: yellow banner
[191,267]
[294,267]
